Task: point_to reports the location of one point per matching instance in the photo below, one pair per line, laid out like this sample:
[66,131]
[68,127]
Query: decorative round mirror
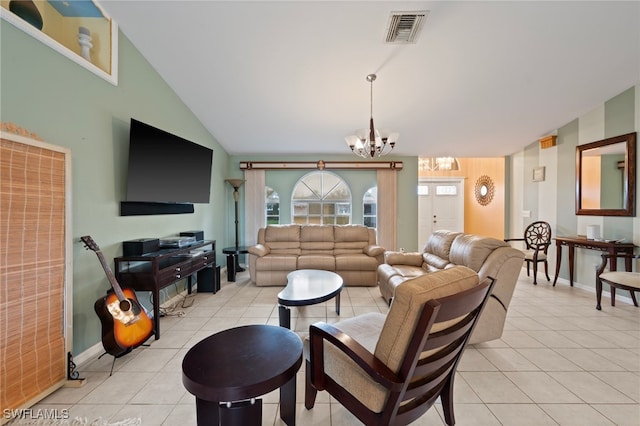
[484,190]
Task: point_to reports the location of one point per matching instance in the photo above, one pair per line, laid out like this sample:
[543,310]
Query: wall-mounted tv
[165,168]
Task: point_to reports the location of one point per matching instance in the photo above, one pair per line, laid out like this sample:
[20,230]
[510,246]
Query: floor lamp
[236,183]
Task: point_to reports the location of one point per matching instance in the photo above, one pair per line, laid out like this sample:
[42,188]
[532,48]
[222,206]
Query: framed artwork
[79,30]
[538,174]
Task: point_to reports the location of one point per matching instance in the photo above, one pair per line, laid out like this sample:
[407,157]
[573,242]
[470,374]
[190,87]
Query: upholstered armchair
[390,369]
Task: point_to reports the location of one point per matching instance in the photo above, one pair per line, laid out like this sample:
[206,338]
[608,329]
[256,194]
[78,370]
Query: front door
[440,206]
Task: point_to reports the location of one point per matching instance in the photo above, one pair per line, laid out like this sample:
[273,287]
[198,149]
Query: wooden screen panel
[33,270]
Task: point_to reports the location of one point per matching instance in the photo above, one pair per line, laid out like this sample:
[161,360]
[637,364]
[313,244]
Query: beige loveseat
[489,257]
[348,250]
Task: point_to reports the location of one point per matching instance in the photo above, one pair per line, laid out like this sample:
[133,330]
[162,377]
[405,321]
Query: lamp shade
[236,183]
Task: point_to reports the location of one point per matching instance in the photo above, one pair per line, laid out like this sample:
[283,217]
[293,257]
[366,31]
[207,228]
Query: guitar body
[125,325]
[119,338]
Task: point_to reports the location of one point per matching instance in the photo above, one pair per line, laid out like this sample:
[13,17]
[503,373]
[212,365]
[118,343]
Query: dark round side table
[227,370]
[233,262]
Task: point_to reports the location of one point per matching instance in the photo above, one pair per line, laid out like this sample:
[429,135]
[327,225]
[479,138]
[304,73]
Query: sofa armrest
[373,250]
[403,258]
[259,250]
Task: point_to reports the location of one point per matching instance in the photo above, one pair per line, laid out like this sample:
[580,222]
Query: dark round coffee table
[308,287]
[239,364]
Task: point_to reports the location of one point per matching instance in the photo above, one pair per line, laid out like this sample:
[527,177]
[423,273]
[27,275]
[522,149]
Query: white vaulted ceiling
[485,78]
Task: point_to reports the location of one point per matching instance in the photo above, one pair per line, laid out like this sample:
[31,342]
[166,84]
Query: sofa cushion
[355,262]
[282,233]
[439,243]
[283,239]
[408,271]
[472,250]
[316,239]
[434,261]
[350,239]
[317,261]
[407,306]
[275,262]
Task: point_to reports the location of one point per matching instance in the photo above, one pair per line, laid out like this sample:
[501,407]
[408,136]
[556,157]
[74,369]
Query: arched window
[321,198]
[370,208]
[272,203]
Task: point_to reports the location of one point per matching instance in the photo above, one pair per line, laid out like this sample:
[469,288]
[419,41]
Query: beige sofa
[348,250]
[444,249]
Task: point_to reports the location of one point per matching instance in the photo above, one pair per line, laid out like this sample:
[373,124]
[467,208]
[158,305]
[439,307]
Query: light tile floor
[559,362]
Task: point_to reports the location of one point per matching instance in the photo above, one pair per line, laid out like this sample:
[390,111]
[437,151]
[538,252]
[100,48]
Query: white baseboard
[88,355]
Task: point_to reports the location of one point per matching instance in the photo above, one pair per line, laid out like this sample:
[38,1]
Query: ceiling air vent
[404,27]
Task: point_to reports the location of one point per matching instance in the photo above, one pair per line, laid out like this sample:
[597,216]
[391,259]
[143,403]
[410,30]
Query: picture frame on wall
[78,30]
[538,174]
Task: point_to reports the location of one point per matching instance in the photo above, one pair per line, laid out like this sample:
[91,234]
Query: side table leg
[558,260]
[284,315]
[207,412]
[571,257]
[288,402]
[156,311]
[338,303]
[238,267]
[231,267]
[243,413]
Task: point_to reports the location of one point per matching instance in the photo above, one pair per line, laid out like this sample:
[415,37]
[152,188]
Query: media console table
[610,247]
[159,269]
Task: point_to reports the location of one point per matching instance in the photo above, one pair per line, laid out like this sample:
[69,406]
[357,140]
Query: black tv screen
[165,168]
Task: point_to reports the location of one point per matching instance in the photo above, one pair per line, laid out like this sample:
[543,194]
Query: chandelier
[372,142]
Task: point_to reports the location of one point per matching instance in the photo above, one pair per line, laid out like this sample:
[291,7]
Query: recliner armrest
[373,250]
[259,250]
[372,366]
[403,258]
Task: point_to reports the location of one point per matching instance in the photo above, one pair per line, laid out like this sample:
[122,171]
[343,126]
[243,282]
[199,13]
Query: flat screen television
[165,168]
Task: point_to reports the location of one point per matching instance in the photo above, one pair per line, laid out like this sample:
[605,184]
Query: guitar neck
[112,278]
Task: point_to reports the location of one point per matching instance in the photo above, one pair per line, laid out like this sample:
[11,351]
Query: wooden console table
[159,269]
[581,242]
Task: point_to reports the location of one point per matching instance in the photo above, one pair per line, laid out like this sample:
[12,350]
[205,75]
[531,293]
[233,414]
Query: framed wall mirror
[605,177]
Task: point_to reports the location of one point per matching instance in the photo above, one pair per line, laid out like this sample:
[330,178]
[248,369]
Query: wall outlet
[526,213]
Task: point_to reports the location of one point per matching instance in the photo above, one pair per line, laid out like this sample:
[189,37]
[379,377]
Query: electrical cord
[186,301]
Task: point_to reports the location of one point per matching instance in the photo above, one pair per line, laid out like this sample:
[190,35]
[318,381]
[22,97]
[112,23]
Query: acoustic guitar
[125,324]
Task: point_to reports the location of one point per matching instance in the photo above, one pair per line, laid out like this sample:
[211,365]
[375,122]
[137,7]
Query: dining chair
[537,239]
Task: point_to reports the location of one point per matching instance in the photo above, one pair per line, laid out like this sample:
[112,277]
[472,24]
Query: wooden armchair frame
[420,381]
[537,239]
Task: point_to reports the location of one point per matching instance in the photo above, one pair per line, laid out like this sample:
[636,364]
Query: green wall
[67,105]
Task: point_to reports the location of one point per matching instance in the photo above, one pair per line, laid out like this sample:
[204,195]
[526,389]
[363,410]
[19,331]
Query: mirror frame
[484,184]
[629,178]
